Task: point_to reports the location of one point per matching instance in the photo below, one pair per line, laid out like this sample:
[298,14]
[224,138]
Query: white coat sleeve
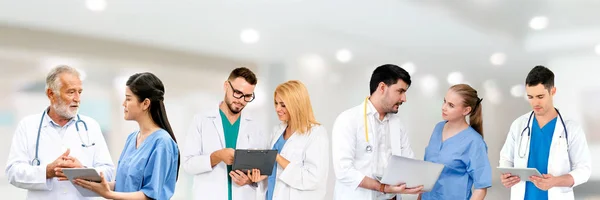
[102,159]
[261,189]
[311,172]
[343,145]
[507,152]
[406,149]
[195,160]
[19,171]
[579,153]
[263,143]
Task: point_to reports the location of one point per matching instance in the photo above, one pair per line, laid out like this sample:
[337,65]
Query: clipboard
[412,172]
[245,159]
[83,173]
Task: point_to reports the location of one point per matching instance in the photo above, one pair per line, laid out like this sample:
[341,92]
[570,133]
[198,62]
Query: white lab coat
[22,174]
[576,161]
[351,161]
[206,136]
[306,175]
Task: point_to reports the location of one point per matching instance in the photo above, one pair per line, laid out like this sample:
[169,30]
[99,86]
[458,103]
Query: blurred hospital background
[332,46]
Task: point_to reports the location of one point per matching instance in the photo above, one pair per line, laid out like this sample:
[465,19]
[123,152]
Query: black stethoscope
[528,129]
[36,160]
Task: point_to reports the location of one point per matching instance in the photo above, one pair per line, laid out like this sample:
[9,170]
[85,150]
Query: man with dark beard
[208,148]
[57,138]
[366,136]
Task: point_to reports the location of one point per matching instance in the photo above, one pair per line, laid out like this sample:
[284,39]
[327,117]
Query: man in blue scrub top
[209,147]
[539,151]
[544,140]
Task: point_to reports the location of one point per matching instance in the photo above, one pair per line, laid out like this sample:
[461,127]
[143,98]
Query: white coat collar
[47,121]
[395,128]
[371,111]
[215,115]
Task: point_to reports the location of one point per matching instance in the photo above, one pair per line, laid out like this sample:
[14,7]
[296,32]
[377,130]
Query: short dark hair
[388,74]
[540,75]
[245,73]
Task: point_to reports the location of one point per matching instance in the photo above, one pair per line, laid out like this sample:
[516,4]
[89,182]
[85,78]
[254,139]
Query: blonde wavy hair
[297,102]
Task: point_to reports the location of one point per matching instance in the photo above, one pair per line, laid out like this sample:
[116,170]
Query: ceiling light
[517,90]
[409,67]
[343,55]
[498,59]
[538,23]
[429,84]
[249,36]
[96,5]
[455,78]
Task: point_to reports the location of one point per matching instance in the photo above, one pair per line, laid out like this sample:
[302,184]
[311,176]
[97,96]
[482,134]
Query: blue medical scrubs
[151,168]
[465,160]
[539,151]
[273,177]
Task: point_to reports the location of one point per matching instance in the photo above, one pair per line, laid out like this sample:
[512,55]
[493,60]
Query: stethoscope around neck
[369,147]
[36,160]
[528,129]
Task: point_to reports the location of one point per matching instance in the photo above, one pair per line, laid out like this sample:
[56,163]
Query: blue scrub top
[465,160]
[273,177]
[152,168]
[539,151]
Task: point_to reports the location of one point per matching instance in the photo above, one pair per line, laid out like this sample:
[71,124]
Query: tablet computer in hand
[412,172]
[523,173]
[89,174]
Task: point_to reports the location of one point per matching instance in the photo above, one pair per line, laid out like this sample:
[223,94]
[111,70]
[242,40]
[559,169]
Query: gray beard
[63,110]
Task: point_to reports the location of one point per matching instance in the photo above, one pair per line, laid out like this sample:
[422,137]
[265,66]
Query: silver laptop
[412,172]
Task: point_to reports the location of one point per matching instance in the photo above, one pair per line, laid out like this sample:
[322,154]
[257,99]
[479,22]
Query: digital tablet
[89,174]
[523,173]
[245,159]
[412,172]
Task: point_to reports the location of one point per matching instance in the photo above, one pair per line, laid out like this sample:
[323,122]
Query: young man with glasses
[210,143]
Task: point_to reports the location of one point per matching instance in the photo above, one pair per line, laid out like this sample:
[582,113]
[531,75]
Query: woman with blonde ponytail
[460,147]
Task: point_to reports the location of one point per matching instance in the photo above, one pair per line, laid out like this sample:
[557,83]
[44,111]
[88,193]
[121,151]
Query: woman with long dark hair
[149,164]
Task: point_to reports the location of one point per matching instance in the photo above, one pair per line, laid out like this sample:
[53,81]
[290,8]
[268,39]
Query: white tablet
[412,172]
[89,174]
[523,173]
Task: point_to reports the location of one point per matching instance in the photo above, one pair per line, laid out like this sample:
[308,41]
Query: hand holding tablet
[89,174]
[511,176]
[523,173]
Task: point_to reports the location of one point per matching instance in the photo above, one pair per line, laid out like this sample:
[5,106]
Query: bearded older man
[45,143]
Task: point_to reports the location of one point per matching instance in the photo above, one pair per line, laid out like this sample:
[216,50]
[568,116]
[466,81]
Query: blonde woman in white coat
[302,164]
